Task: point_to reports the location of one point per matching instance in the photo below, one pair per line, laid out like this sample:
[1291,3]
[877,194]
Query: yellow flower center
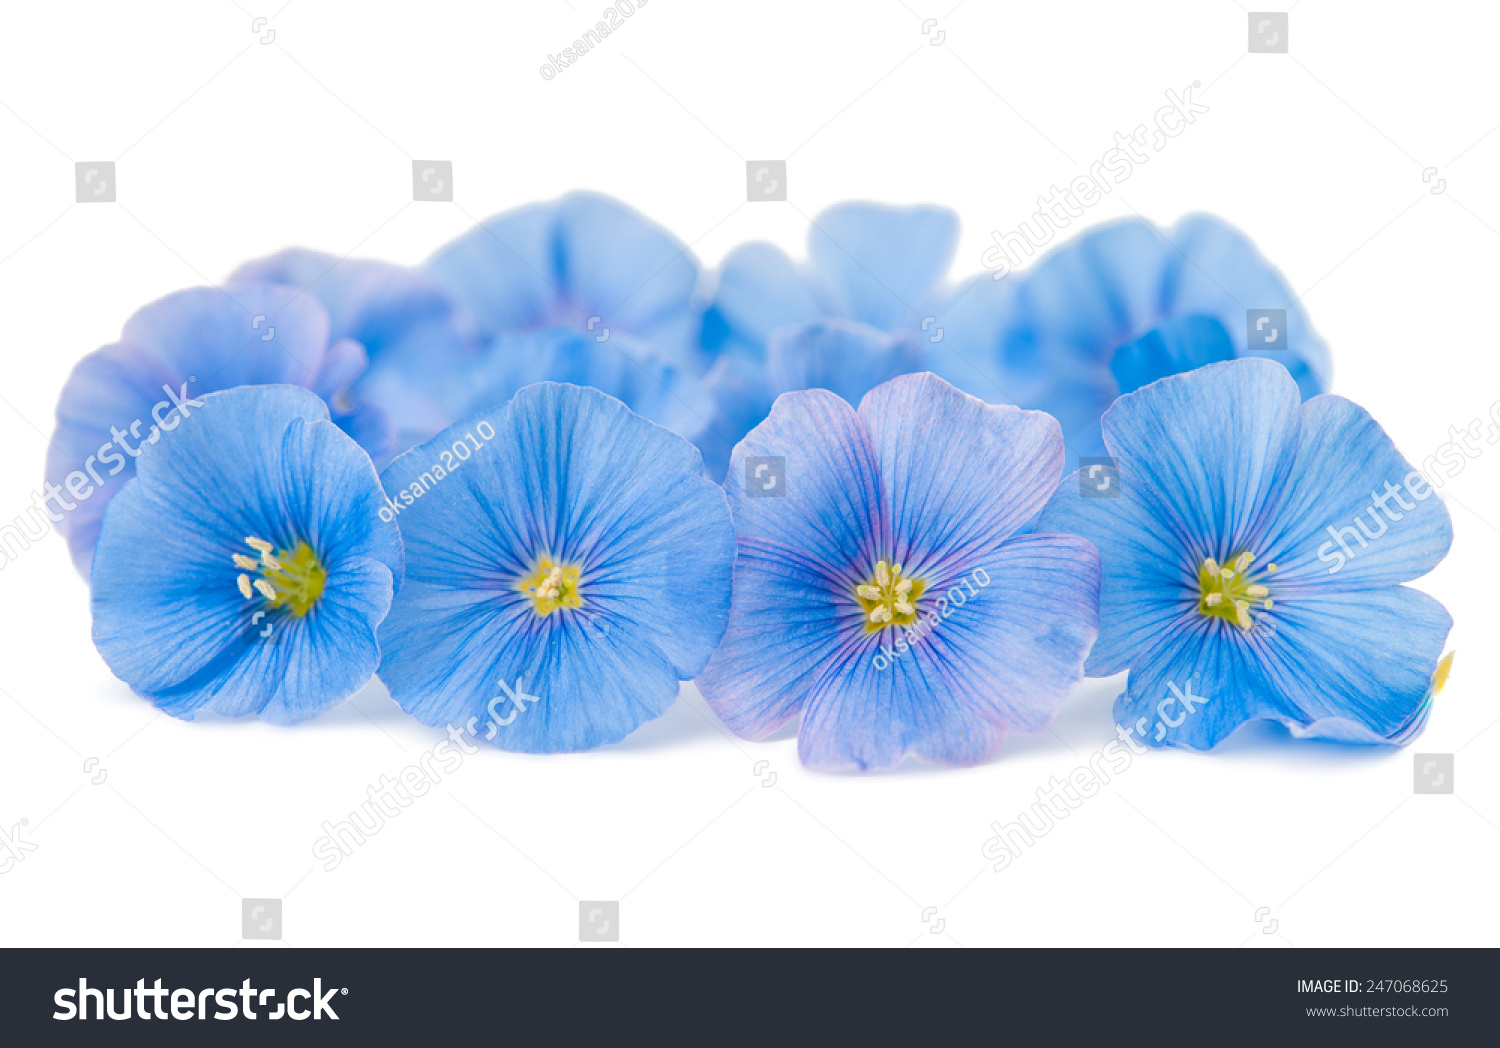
[1229,591]
[291,579]
[888,599]
[551,586]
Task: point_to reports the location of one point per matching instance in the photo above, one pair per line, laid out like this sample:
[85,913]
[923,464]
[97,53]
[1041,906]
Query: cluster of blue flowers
[543,479]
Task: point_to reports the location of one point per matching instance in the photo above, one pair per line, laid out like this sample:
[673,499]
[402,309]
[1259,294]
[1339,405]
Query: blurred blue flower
[590,278]
[884,595]
[245,568]
[172,352]
[867,305]
[1116,308]
[1253,553]
[415,336]
[568,566]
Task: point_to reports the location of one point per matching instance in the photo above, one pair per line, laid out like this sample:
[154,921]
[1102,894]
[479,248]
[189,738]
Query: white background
[228,149]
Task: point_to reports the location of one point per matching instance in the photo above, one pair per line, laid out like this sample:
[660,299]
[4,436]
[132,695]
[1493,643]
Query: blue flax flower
[1119,307]
[1253,555]
[245,568]
[414,335]
[590,286]
[883,594]
[568,566]
[173,351]
[868,304]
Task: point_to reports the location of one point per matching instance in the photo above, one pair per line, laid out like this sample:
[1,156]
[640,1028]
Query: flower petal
[1329,534]
[572,475]
[502,272]
[883,264]
[1001,655]
[759,290]
[960,475]
[240,335]
[1212,497]
[259,461]
[305,666]
[1149,582]
[841,356]
[1326,663]
[1216,271]
[792,576]
[1179,344]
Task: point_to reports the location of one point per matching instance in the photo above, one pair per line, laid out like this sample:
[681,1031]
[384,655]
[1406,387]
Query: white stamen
[246,563]
[1213,599]
[265,589]
[1257,591]
[259,545]
[244,583]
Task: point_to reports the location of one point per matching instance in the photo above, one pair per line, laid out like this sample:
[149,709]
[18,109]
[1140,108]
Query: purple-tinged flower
[880,590]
